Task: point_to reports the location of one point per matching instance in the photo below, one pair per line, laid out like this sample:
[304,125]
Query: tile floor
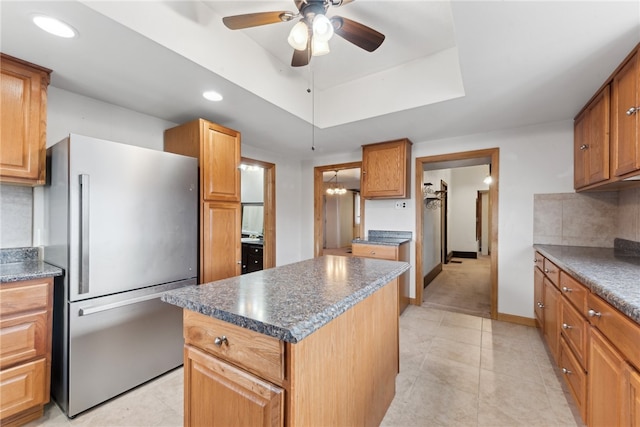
[456,370]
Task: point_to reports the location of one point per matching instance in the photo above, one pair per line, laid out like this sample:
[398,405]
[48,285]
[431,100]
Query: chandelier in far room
[335,188]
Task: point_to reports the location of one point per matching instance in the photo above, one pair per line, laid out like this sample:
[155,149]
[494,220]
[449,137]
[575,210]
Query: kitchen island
[309,343]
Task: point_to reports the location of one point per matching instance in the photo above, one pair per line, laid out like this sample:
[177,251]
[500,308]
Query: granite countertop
[17,264]
[612,274]
[292,301]
[385,238]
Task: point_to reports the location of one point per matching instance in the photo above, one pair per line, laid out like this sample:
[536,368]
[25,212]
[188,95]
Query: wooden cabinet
[386,168]
[252,257]
[607,131]
[598,347]
[625,113]
[631,408]
[218,151]
[342,374]
[393,253]
[606,368]
[25,349]
[591,142]
[547,301]
[614,357]
[538,294]
[23,122]
[551,328]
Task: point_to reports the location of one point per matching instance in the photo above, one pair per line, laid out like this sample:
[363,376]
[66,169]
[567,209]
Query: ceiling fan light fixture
[299,36]
[322,28]
[319,47]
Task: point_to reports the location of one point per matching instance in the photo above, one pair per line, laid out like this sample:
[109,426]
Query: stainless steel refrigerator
[122,223]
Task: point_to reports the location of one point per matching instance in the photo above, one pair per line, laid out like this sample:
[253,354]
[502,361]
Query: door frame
[269,220]
[318,190]
[494,154]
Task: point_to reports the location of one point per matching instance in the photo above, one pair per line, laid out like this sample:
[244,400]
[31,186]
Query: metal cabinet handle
[239,262]
[632,110]
[535,260]
[372,253]
[584,146]
[593,313]
[540,305]
[221,340]
[566,371]
[565,289]
[565,326]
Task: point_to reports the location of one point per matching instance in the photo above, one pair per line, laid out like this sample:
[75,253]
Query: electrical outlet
[401,205]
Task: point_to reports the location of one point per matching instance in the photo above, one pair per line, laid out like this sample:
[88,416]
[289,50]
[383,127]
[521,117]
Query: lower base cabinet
[343,374]
[606,372]
[631,410]
[238,397]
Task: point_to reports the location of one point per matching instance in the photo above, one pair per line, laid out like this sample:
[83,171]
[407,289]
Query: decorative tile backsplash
[16,215]
[586,219]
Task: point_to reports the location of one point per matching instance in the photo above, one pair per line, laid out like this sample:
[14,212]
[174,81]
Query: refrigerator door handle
[84,234]
[86,311]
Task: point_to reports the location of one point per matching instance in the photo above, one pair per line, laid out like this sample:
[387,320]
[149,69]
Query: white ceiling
[445,68]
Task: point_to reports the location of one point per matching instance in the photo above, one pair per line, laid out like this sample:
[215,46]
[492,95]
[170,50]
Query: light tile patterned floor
[455,370]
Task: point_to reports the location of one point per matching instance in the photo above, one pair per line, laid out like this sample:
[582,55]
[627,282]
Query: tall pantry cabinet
[218,151]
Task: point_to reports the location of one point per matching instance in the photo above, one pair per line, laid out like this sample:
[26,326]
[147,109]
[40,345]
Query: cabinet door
[551,318]
[221,162]
[631,394]
[220,253]
[580,153]
[23,102]
[538,296]
[626,153]
[385,170]
[23,387]
[604,382]
[219,394]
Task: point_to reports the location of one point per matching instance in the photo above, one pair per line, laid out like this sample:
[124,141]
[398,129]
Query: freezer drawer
[118,342]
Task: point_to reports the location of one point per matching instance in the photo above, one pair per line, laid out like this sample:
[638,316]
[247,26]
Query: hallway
[463,286]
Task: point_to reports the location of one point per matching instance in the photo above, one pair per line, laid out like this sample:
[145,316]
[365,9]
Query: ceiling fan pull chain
[311,90]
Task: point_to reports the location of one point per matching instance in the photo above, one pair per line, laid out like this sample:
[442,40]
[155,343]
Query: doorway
[319,225]
[268,211]
[456,160]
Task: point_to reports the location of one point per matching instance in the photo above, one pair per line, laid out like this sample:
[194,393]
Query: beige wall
[586,219]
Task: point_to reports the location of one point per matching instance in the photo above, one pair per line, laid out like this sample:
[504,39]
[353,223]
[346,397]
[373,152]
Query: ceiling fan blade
[362,36]
[301,57]
[238,22]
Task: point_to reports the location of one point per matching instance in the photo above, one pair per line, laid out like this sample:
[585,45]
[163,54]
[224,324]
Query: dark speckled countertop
[385,238]
[612,274]
[18,264]
[292,301]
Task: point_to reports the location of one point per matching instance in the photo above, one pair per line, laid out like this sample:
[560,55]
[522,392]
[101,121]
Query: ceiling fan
[310,36]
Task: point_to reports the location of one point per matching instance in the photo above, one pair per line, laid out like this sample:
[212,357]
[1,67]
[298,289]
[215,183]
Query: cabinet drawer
[574,291]
[618,328]
[575,377]
[574,329]
[374,251]
[552,271]
[24,296]
[23,387]
[23,338]
[255,352]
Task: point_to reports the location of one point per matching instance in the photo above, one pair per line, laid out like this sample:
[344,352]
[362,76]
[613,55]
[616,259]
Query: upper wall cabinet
[385,170]
[591,142]
[607,132]
[23,102]
[625,113]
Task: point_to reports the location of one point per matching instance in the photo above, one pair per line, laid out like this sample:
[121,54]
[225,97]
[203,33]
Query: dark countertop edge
[383,242]
[299,331]
[605,292]
[28,270]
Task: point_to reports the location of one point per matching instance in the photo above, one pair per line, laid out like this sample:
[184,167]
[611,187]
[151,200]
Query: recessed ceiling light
[54,26]
[212,95]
